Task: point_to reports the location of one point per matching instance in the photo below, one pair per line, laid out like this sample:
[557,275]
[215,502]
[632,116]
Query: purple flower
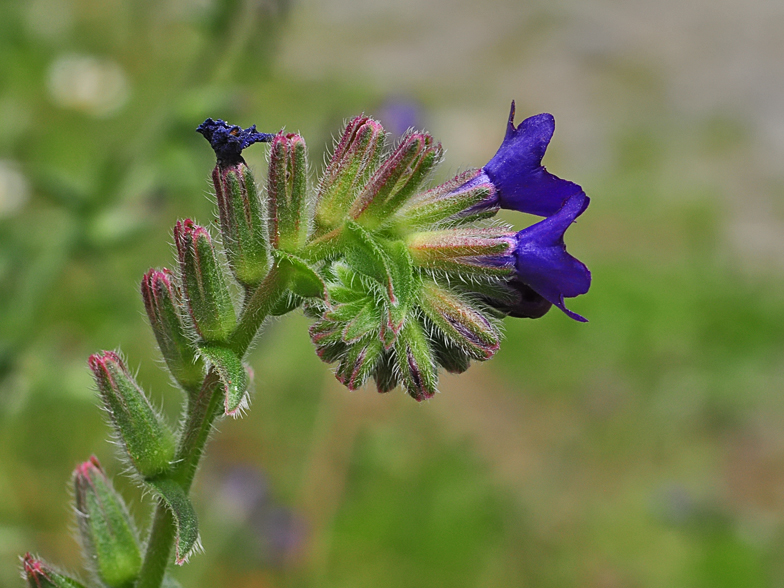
[521,181]
[228,141]
[542,262]
[528,304]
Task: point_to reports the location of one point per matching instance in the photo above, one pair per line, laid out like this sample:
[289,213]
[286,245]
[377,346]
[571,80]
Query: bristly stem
[202,412]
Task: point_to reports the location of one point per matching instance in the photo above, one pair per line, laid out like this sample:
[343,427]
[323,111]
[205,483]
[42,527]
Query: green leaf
[232,374]
[302,279]
[184,515]
[363,323]
[387,262]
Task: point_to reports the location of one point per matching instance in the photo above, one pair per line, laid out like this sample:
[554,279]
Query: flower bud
[451,357]
[462,324]
[385,373]
[148,441]
[40,574]
[326,336]
[107,532]
[415,362]
[206,294]
[467,252]
[242,222]
[359,363]
[354,159]
[396,180]
[163,301]
[468,196]
[286,192]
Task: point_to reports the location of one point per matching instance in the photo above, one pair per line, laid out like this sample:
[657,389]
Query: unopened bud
[286,192]
[462,324]
[359,363]
[147,439]
[106,529]
[40,574]
[206,294]
[397,179]
[385,374]
[470,252]
[415,362]
[326,336]
[242,222]
[469,196]
[448,355]
[354,159]
[163,303]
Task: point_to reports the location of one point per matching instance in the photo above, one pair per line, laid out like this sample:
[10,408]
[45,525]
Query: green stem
[202,412]
[257,307]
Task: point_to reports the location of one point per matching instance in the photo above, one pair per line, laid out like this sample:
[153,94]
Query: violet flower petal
[228,141]
[543,263]
[516,170]
[528,305]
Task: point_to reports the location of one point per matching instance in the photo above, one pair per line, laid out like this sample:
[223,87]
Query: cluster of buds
[399,279]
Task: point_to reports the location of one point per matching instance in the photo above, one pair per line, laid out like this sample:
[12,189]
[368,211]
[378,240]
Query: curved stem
[202,412]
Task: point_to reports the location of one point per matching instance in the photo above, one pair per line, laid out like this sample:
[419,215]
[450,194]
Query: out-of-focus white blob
[14,189]
[92,85]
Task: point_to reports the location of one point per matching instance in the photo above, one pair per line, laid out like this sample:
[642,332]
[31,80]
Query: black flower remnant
[228,141]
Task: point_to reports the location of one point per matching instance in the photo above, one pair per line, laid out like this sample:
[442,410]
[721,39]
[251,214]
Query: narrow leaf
[177,501]
[232,374]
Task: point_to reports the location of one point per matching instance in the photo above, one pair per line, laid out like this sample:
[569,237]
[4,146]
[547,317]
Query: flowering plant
[399,281]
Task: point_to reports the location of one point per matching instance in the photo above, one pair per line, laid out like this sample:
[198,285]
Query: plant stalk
[202,412]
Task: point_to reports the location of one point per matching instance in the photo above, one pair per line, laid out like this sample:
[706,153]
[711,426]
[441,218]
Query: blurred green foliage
[643,449]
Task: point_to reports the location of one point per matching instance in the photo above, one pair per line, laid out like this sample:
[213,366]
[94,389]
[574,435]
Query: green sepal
[287,191]
[39,574]
[385,373]
[204,282]
[452,358]
[460,321]
[233,376]
[406,284]
[396,179]
[486,252]
[185,521]
[242,223]
[359,362]
[148,441]
[363,323]
[326,335]
[163,302]
[458,201]
[389,263]
[107,532]
[415,362]
[300,277]
[355,157]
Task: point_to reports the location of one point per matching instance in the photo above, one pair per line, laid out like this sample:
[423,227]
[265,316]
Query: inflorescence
[399,280]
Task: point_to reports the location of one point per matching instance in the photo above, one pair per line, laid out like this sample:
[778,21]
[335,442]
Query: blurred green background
[643,449]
